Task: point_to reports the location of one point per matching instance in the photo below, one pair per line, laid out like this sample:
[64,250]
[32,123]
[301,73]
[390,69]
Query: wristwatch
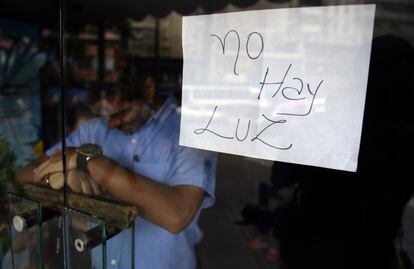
[85,153]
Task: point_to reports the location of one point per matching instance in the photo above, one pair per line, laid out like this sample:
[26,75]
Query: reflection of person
[25,251]
[143,165]
[350,220]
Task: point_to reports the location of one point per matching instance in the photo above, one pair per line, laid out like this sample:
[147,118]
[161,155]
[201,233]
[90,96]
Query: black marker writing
[272,122]
[201,131]
[249,36]
[263,83]
[298,91]
[273,83]
[223,46]
[237,131]
[205,129]
[283,80]
[311,105]
[298,94]
[289,94]
[261,43]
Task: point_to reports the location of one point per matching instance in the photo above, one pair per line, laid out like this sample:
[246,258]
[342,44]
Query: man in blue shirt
[142,164]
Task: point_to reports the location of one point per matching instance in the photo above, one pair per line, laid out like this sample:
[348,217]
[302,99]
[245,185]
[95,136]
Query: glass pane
[85,234]
[26,251]
[127,76]
[116,258]
[308,217]
[53,238]
[90,244]
[29,103]
[290,214]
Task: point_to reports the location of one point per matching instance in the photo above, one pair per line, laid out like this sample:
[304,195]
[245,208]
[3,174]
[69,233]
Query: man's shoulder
[170,125]
[90,129]
[95,122]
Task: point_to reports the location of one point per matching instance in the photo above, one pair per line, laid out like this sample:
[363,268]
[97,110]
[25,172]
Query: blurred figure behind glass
[351,220]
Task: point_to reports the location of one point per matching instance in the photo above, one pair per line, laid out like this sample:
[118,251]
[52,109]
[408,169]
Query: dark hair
[130,87]
[127,88]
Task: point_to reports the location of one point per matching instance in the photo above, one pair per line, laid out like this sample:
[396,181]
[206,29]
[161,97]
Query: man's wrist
[95,168]
[81,163]
[86,153]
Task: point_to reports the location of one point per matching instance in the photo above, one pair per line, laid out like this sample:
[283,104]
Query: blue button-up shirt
[153,152]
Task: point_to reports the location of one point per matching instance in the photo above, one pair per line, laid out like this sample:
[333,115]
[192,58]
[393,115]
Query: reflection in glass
[26,251]
[84,233]
[52,233]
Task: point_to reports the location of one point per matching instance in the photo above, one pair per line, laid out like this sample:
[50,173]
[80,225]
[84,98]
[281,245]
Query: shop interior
[58,57]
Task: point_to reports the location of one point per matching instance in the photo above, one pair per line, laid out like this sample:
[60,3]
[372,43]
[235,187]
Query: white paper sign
[283,84]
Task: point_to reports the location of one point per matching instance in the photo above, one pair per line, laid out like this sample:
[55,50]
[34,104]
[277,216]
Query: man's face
[127,116]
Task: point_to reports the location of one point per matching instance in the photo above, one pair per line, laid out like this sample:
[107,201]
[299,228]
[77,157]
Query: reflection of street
[25,250]
[225,244]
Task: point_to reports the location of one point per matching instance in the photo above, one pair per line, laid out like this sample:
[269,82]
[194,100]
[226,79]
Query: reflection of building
[170,36]
[141,40]
[395,17]
[20,61]
[86,66]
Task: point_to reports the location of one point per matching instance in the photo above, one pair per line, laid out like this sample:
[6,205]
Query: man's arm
[26,174]
[172,208]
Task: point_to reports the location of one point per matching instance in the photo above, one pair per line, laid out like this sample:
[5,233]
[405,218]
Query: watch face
[90,149]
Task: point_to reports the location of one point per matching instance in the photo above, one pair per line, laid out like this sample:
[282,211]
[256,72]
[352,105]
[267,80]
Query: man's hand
[51,173]
[54,164]
[80,182]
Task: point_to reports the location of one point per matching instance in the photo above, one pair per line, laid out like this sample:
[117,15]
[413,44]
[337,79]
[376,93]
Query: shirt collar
[166,109]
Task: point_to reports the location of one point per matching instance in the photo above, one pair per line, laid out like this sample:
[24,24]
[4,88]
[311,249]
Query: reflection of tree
[7,169]
[20,60]
[17,54]
[7,172]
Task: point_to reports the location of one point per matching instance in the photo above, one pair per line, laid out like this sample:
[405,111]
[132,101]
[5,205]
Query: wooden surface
[113,212]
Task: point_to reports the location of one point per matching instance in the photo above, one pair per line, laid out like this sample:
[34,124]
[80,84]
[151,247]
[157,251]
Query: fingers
[56,180]
[49,169]
[74,182]
[85,183]
[70,157]
[52,165]
[40,172]
[82,183]
[51,173]
[97,189]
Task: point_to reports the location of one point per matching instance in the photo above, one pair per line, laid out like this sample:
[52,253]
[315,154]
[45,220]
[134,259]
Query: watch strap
[82,162]
[85,153]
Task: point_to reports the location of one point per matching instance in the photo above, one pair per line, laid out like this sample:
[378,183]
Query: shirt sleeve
[195,167]
[78,137]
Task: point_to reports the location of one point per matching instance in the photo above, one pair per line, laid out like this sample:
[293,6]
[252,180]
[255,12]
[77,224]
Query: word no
[249,36]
